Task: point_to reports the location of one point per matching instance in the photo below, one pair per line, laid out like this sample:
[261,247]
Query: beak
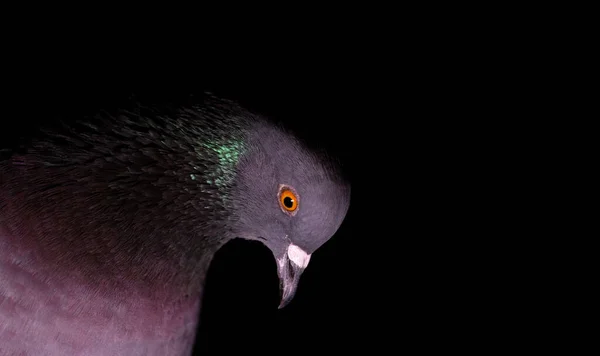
[289,269]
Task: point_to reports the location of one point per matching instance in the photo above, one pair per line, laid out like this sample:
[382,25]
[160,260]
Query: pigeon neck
[74,313]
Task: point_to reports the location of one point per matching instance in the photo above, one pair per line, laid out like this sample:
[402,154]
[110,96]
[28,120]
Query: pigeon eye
[288,199]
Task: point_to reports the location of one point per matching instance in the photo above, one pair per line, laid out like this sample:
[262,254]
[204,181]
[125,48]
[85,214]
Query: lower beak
[289,276]
[289,269]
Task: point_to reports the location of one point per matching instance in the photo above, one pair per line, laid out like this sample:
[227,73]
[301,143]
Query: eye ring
[288,199]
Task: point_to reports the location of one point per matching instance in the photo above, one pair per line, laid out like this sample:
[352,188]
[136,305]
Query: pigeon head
[288,197]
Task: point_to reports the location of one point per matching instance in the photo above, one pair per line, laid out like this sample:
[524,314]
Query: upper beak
[289,269]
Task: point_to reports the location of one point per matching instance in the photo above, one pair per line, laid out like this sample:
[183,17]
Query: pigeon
[109,222]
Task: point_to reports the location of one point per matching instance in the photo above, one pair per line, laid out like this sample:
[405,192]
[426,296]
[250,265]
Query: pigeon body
[108,224]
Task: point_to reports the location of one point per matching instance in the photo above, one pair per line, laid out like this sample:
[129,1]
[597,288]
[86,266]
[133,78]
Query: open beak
[289,269]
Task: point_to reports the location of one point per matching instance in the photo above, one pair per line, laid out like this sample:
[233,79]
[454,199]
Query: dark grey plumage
[117,209]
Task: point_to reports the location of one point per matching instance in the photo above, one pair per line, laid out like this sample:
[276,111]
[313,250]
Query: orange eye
[288,200]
